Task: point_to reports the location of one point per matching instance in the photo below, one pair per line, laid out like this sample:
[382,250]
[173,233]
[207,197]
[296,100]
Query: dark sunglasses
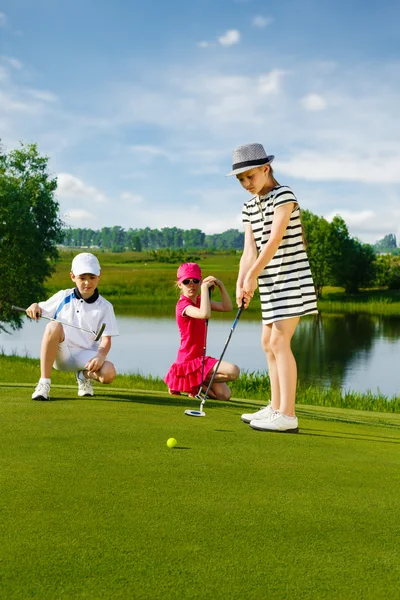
[187,281]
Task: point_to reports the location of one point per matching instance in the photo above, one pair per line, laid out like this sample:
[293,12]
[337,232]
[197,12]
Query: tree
[352,263]
[386,244]
[317,231]
[30,228]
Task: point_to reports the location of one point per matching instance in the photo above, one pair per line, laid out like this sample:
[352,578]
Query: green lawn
[95,506]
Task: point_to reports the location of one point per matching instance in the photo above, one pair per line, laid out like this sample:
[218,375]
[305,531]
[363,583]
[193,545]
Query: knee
[54,330]
[277,344]
[235,372]
[109,374]
[266,345]
[225,393]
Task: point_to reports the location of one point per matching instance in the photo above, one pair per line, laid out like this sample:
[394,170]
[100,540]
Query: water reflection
[355,352]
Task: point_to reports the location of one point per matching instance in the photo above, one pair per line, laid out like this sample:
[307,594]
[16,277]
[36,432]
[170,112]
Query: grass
[95,506]
[136,284]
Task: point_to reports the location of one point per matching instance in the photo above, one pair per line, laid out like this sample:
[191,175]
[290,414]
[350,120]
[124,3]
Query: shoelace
[43,387]
[85,385]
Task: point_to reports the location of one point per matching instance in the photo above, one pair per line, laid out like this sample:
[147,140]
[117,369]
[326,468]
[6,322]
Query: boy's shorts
[72,359]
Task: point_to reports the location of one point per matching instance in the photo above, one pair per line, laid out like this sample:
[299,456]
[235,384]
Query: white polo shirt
[65,305]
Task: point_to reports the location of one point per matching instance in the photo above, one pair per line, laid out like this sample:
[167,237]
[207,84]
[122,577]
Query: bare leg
[282,332]
[226,372]
[53,336]
[272,368]
[106,374]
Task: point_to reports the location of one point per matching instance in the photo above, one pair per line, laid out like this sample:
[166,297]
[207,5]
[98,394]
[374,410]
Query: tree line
[118,239]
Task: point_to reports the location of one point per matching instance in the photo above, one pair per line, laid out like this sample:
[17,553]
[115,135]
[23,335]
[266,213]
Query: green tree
[317,233]
[30,228]
[352,263]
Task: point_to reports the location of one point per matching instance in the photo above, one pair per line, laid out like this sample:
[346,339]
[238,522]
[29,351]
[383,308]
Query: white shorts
[72,359]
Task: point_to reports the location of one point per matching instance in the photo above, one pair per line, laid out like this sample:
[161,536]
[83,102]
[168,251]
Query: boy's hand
[95,363]
[33,311]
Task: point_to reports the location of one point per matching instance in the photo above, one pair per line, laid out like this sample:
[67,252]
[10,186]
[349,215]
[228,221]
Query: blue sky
[140,104]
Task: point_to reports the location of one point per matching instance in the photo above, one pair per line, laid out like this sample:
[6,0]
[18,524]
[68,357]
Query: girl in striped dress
[275,260]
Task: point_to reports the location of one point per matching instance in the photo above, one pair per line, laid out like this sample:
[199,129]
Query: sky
[139,105]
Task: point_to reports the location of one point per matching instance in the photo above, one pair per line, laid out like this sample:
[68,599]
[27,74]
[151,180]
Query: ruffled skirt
[187,376]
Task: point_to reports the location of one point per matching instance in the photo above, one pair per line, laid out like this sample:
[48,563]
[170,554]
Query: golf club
[97,334]
[204,395]
[196,413]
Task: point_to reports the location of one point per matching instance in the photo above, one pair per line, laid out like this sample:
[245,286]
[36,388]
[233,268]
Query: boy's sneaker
[42,391]
[277,422]
[84,385]
[262,414]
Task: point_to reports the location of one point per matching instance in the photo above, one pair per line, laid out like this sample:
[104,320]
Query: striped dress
[286,286]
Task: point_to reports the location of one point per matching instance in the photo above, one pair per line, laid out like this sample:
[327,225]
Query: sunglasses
[187,281]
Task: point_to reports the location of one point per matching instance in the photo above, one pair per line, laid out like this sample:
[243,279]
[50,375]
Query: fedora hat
[249,157]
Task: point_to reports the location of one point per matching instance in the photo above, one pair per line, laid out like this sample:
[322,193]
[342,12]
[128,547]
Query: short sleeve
[284,195]
[183,303]
[110,321]
[245,214]
[50,306]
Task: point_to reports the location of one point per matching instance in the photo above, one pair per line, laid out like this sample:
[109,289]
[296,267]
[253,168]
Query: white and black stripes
[286,286]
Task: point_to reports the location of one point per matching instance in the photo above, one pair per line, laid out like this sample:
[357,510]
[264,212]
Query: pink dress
[185,375]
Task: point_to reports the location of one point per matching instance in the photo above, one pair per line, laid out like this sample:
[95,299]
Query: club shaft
[56,320]
[239,312]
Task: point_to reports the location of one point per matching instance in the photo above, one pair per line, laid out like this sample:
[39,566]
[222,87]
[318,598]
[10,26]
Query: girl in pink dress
[193,309]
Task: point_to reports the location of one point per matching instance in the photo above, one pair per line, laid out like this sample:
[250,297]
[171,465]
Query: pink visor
[188,271]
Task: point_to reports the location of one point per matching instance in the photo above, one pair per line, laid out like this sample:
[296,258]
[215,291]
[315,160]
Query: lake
[355,352]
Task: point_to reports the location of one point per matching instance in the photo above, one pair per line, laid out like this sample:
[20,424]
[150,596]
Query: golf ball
[171,443]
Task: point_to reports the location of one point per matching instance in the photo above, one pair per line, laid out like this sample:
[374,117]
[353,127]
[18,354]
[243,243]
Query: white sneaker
[84,385]
[42,391]
[277,422]
[262,414]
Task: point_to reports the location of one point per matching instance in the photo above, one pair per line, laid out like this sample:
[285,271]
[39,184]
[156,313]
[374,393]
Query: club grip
[18,308]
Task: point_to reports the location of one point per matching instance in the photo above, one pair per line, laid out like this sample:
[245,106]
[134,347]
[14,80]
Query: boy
[68,349]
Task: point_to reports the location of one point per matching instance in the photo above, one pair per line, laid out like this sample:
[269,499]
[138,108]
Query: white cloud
[270,83]
[43,95]
[79,214]
[353,218]
[13,62]
[313,102]
[133,198]
[229,38]
[70,186]
[378,168]
[145,154]
[261,22]
[205,44]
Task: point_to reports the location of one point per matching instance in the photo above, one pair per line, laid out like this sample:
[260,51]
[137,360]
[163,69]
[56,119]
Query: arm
[280,222]
[247,260]
[226,303]
[97,362]
[204,312]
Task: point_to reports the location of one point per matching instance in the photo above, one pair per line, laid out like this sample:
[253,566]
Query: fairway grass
[95,506]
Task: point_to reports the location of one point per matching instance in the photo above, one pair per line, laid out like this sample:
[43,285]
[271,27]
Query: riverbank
[136,284]
[249,386]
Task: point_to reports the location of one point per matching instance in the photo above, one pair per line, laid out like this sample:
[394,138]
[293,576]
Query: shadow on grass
[339,435]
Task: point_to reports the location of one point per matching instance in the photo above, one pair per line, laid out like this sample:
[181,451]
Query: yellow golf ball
[171,443]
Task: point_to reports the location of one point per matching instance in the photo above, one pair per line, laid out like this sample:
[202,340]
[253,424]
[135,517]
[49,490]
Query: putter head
[195,413]
[100,332]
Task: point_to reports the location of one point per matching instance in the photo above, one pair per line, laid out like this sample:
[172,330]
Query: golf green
[95,505]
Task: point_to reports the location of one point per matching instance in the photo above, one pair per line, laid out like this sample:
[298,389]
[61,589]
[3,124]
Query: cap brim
[244,169]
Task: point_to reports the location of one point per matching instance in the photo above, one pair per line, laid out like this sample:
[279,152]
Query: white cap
[85,263]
